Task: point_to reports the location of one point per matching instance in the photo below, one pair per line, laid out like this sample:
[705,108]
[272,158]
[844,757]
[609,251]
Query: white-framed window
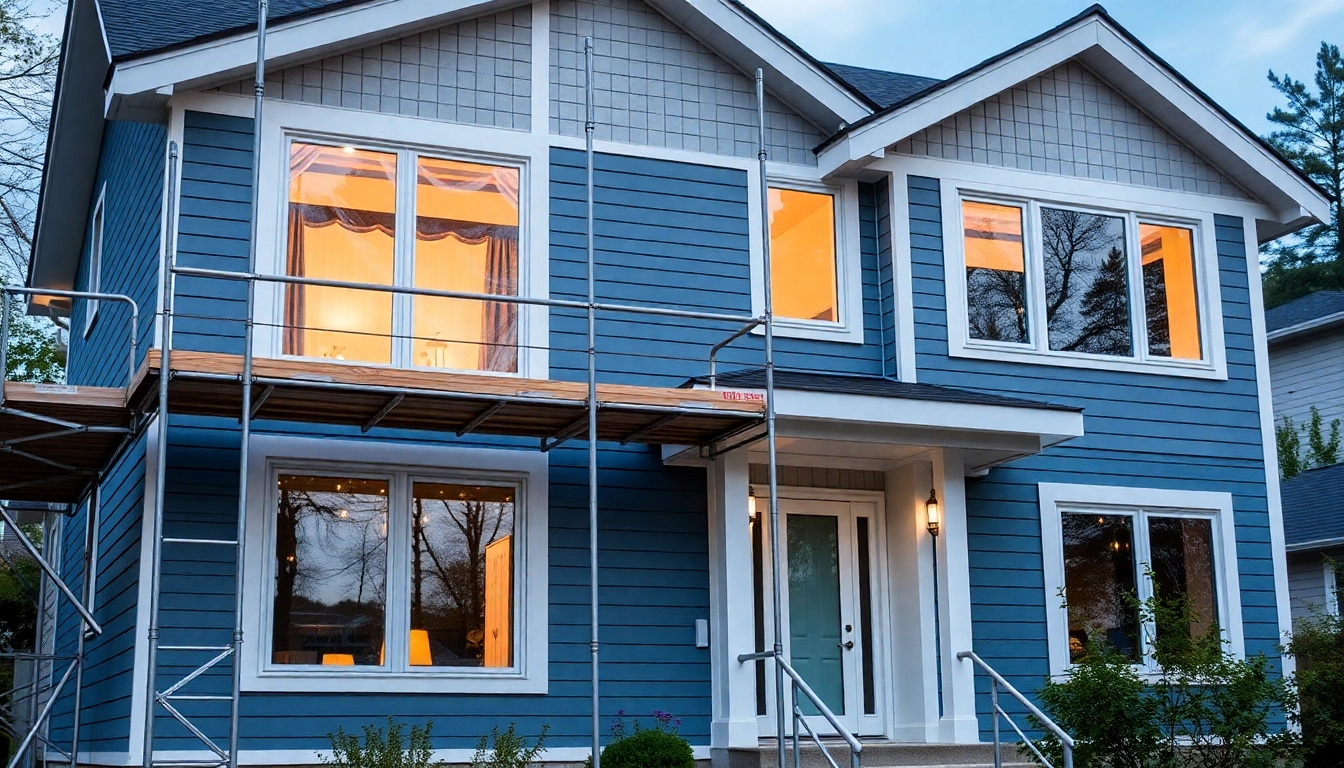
[95,282]
[1331,588]
[1047,278]
[1106,546]
[423,571]
[816,274]
[367,213]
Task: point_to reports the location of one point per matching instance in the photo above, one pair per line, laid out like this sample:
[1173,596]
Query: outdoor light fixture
[934,513]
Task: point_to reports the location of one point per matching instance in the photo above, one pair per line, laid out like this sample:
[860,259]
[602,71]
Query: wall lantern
[935,515]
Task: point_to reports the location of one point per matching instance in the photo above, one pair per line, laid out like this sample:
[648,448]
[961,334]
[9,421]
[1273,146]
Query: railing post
[995,711]
[797,717]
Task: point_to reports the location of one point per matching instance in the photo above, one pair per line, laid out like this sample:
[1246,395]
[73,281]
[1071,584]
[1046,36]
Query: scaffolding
[172,381]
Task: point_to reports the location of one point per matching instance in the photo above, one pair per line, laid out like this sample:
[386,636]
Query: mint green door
[816,639]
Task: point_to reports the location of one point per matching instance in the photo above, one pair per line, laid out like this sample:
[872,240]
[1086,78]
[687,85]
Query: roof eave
[1313,326]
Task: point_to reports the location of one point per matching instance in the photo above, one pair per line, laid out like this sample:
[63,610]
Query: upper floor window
[402,218]
[814,261]
[95,281]
[1070,283]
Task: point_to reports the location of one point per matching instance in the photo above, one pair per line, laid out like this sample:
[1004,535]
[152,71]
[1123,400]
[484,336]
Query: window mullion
[403,273]
[1035,267]
[1143,560]
[398,612]
[1138,314]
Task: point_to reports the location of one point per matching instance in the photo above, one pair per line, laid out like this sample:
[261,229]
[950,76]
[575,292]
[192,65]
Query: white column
[959,723]
[732,628]
[913,632]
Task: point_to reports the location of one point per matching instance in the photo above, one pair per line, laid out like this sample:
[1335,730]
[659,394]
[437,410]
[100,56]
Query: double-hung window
[397,217]
[1064,283]
[1107,549]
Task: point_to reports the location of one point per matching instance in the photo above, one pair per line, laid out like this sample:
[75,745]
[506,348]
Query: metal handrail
[996,682]
[800,685]
[717,348]
[9,290]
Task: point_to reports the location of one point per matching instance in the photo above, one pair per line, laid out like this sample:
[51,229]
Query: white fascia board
[1318,323]
[1142,79]
[729,31]
[869,141]
[1306,546]
[287,42]
[1050,425]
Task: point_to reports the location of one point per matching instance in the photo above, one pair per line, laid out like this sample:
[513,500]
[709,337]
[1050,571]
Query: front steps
[880,754]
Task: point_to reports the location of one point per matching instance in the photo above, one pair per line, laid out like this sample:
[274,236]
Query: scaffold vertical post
[245,412]
[771,455]
[160,456]
[589,127]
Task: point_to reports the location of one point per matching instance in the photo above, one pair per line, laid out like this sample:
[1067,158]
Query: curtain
[498,348]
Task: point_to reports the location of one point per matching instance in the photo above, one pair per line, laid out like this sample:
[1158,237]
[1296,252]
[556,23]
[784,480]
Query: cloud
[1294,19]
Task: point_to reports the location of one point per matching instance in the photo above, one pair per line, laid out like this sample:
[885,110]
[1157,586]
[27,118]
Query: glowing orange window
[802,255]
[1169,292]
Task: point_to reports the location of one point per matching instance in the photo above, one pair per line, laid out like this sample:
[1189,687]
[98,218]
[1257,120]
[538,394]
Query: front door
[829,550]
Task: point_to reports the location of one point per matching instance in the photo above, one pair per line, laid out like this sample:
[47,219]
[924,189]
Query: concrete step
[881,754]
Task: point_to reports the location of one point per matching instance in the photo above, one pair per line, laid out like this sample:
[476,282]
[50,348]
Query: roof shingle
[139,27]
[1313,505]
[1313,306]
[885,88]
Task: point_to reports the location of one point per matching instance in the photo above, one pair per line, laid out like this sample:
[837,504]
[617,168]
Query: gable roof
[883,87]
[1309,313]
[140,27]
[1096,40]
[1313,508]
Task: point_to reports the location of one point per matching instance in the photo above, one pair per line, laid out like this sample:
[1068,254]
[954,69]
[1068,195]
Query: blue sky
[1225,47]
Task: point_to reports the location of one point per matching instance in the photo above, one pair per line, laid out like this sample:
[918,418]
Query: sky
[1225,47]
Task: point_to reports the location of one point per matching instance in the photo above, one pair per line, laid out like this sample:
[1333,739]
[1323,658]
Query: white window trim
[1056,498]
[97,223]
[848,256]
[1031,196]
[1331,596]
[528,469]
[285,120]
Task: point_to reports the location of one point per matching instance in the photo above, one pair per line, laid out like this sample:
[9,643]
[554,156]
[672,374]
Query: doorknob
[848,646]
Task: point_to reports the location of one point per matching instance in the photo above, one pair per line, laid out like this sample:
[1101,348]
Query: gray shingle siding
[1068,122]
[658,86]
[1306,580]
[477,72]
[1306,374]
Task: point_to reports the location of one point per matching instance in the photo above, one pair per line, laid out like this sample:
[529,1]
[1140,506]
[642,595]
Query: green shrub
[1197,707]
[649,749]
[1318,644]
[507,749]
[381,749]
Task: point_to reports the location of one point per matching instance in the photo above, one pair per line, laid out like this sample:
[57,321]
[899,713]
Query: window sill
[317,681]
[817,331]
[1004,354]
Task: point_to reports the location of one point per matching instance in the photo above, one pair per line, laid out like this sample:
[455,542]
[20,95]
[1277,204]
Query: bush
[1198,706]
[660,747]
[507,749]
[1318,644]
[381,749]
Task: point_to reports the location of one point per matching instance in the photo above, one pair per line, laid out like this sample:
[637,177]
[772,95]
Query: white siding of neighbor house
[1306,580]
[1307,373]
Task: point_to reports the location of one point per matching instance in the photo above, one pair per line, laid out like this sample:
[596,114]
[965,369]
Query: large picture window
[397,217]
[1108,549]
[1068,282]
[394,572]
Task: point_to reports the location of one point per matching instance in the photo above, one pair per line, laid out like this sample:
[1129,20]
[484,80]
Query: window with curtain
[348,221]
[1056,280]
[394,572]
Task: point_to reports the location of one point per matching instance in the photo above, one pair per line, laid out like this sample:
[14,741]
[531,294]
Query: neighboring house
[1306,364]
[1031,288]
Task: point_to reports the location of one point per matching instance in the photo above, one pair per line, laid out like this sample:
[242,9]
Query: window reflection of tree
[451,528]
[1099,576]
[1086,282]
[998,301]
[331,569]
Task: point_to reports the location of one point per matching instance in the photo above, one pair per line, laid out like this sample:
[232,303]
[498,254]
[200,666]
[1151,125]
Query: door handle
[848,646]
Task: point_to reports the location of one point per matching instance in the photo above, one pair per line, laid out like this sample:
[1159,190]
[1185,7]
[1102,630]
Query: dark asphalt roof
[138,27]
[885,88]
[1313,505]
[873,386]
[1313,306]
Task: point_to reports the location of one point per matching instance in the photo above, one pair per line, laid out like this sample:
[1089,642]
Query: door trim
[878,724]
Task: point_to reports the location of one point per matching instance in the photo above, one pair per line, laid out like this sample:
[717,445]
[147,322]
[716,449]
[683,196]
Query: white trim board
[529,469]
[1213,505]
[1095,41]
[313,757]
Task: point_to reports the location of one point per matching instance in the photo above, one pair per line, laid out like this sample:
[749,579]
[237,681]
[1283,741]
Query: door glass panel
[814,608]
[758,588]
[866,616]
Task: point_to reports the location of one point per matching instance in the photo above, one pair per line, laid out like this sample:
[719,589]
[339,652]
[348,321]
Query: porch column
[732,623]
[914,655]
[959,723]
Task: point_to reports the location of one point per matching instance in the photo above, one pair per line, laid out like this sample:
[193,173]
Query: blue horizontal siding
[1141,431]
[131,173]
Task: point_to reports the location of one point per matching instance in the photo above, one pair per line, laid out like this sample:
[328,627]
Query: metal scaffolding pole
[93,499]
[772,457]
[589,127]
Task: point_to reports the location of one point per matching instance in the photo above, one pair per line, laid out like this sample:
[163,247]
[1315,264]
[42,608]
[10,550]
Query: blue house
[1018,348]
